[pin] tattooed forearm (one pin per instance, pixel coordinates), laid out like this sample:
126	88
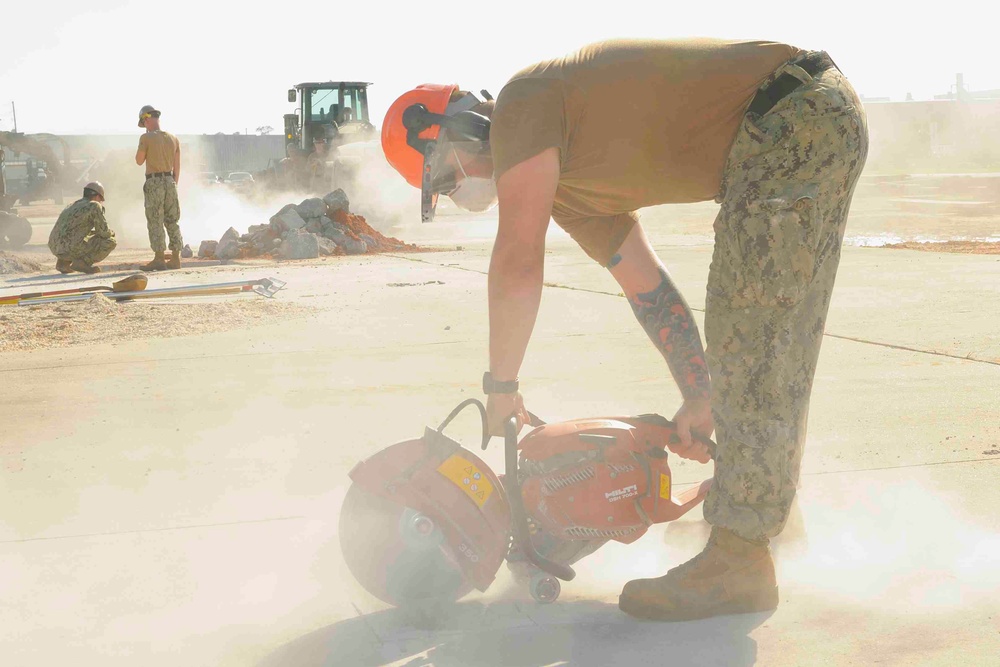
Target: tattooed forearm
667	320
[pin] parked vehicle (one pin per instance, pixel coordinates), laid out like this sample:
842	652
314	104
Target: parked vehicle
240	181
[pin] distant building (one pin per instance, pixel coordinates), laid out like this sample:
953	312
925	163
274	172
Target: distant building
959	130
961	93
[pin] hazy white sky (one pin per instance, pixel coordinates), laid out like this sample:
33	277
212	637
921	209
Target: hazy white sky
225	66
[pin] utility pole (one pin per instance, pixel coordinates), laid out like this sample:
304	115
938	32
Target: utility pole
14	111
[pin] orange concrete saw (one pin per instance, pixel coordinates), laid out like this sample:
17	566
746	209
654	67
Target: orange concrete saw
426	521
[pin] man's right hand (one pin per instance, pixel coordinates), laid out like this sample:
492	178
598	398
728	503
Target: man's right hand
499	407
694	419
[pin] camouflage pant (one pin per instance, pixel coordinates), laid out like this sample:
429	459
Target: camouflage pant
162	211
89	250
786	193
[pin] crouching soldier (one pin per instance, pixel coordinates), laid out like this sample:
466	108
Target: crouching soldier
81	237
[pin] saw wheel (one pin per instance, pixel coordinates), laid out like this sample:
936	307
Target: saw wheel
397	554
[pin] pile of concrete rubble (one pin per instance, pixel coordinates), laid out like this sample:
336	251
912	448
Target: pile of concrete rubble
305	231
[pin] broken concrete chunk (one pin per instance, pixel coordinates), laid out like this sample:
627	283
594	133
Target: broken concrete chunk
369	241
300	244
284	209
355	246
337	201
261	232
314	225
207	248
326	246
286	222
326	227
337	236
230	235
311	208
228	249
186	252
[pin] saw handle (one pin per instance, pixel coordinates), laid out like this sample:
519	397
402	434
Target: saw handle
673	444
519	519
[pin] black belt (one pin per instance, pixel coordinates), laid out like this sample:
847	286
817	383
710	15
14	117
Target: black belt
159	173
769	95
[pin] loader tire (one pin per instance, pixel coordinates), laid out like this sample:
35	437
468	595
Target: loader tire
15	231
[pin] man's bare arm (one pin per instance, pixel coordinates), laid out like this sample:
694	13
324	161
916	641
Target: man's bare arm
177	163
668	322
663	314
525	194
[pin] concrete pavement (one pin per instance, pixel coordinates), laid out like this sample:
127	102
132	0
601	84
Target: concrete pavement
175	501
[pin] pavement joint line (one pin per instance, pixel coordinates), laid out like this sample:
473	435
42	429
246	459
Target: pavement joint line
913	349
863	341
926	464
154	530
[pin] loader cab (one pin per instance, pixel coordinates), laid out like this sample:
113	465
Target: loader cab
336	111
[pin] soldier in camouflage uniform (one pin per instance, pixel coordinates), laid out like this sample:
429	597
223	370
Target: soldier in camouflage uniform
81	238
785	198
161	153
774	134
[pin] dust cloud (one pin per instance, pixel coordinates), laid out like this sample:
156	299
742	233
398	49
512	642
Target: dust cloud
898	547
375	189
902	546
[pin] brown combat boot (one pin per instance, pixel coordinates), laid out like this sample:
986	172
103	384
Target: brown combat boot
158	264
64	265
730	576
175	260
83	267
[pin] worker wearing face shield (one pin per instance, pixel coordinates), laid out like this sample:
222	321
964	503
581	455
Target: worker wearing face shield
453	160
773	133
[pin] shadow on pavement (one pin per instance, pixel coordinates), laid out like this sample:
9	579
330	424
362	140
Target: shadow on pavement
521	634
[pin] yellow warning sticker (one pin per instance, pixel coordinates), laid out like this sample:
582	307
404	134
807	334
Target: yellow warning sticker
466	476
665	486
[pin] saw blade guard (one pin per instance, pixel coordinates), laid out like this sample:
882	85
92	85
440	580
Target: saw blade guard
424	521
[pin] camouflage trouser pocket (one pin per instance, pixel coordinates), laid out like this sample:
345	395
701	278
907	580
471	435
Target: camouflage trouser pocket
778	239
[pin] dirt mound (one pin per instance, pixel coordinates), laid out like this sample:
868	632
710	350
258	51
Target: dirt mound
13	264
963	247
357	227
101	305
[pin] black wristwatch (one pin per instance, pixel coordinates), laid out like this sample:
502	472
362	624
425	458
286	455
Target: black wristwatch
491	386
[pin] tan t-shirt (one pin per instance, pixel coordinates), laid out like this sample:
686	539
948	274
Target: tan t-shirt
637	123
160	148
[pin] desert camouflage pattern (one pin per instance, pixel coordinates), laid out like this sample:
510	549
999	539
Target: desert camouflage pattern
162	213
81	233
786	193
